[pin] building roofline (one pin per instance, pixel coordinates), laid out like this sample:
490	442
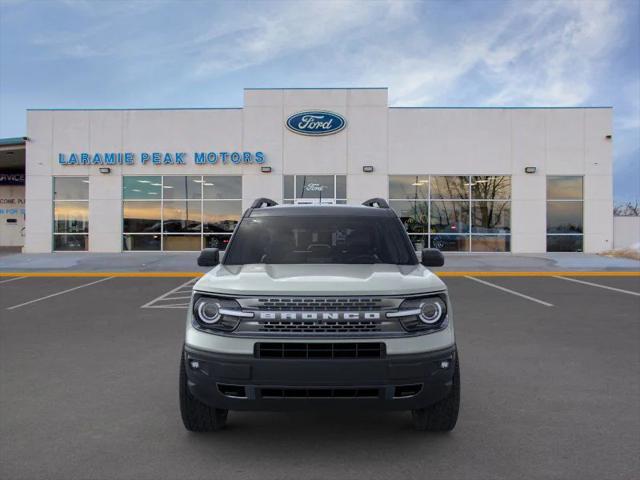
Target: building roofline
126	109
13	141
317	88
504	108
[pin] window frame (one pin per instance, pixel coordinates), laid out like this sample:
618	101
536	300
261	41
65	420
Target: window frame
469	200
563	200
162	233
335	198
54	234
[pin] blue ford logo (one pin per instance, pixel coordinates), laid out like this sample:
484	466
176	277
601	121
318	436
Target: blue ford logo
316	123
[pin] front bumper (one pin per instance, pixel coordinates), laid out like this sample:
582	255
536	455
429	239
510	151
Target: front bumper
244	382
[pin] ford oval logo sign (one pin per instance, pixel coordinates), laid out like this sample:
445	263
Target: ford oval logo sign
316	123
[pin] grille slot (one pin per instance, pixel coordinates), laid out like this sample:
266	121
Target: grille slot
403	391
320	392
319	326
320	350
319	304
237	391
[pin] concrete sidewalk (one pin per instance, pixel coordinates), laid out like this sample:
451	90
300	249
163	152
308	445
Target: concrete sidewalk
186	262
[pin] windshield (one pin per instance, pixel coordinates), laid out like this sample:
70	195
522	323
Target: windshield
320	239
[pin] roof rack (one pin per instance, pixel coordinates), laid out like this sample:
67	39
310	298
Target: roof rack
376	202
260	202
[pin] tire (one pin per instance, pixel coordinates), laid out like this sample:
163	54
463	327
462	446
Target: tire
197	416
441	416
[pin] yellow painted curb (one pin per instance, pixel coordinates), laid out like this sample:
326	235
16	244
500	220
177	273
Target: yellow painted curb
539	274
199	274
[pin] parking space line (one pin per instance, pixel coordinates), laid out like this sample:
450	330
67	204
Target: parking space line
12	279
512	292
620	290
167	296
58	293
181	306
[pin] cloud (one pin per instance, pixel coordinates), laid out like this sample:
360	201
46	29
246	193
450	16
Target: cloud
537	53
265	35
630	119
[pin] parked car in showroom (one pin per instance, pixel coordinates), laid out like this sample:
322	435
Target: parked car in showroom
319	306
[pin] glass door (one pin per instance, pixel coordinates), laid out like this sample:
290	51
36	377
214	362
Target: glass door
315	189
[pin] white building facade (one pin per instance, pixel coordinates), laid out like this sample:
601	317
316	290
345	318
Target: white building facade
461	179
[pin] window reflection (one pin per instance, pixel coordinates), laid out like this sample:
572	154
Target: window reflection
174	218
142	187
564	243
222	186
491	217
419	241
216	241
564	217
490	187
450	187
288	186
564	213
182	243
490	243
71	188
315	186
450	217
564	188
141	242
182	187
450	243
341	186
221	216
413	215
71	217
408	186
181	216
63	243
140	217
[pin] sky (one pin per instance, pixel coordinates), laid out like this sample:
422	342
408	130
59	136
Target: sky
126	54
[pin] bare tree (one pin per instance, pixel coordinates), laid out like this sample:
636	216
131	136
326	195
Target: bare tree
628	209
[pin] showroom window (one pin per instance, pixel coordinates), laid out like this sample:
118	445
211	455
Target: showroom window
70	213
178	212
314	189
454	212
564	213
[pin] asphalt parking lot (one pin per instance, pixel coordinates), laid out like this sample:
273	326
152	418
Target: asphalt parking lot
550	389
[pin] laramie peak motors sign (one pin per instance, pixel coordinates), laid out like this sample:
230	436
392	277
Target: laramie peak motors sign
315	123
161	158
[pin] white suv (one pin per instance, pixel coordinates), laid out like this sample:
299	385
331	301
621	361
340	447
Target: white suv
316	306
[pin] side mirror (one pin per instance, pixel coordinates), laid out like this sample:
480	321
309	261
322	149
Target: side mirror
209	257
432	257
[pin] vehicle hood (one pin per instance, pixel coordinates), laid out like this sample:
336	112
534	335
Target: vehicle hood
320	279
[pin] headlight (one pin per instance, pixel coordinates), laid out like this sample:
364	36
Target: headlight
208	311
426	313
215	313
431	310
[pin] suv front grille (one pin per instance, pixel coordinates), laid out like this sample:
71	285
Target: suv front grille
320	392
313	351
319	304
319	326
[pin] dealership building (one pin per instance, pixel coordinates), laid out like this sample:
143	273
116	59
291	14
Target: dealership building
461	179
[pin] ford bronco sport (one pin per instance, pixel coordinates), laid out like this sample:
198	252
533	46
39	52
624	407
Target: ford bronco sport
314	306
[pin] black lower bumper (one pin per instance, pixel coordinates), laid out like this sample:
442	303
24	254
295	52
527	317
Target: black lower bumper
243	382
